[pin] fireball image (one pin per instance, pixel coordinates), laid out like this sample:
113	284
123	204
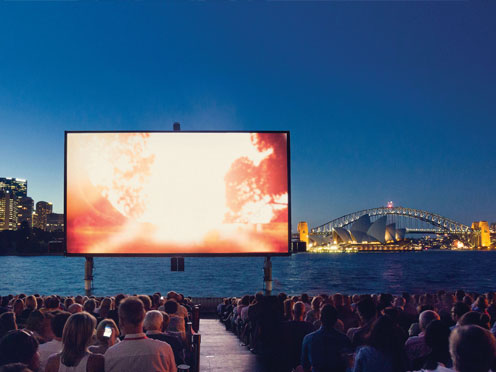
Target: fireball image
176	193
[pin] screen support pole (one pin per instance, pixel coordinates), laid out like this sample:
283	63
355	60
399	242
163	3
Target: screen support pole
88	275
268	276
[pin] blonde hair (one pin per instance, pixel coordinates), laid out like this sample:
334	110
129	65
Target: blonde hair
76	338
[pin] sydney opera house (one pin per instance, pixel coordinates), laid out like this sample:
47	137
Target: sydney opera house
363	231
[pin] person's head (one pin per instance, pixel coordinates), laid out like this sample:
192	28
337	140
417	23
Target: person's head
245	300
52	303
316	301
100	330
437	338
399	302
31	303
384	335
7	322
481	303
366	309
147	303
298	311
68	302
35	321
76	337
458	309
328	316
15	367
472	349
58	322
153	321
105	305
20	346
426	317
79	299
131	314
18	306
470	318
171	307
89	306
75	308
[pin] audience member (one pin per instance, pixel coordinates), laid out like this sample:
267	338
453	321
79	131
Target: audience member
7	323
472	349
103	341
137	352
415	346
54	346
76	338
326	348
383	351
153	324
20	346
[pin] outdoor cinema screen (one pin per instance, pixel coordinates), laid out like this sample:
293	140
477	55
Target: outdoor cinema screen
177	193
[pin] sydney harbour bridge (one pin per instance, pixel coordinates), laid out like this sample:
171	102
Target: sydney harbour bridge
391	224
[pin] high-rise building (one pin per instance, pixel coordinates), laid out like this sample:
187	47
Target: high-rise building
8	211
25	210
43	209
16	186
55	222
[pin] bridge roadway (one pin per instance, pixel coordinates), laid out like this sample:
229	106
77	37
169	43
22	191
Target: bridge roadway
221	350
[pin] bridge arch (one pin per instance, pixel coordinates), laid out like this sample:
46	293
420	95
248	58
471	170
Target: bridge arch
442	224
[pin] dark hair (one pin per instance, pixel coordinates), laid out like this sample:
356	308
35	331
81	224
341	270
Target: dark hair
170	307
147	303
89	306
460	308
437	338
52	302
472	317
366	308
18	346
7	322
35	321
58	322
15	367
328	316
472	349
131	310
385	336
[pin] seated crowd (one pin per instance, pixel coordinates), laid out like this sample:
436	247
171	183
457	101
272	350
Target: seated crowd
440	332
114	334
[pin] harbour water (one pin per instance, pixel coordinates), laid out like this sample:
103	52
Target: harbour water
313	273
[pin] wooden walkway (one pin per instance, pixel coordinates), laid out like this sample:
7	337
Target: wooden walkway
221	350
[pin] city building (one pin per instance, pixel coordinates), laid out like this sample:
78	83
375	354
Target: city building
484	236
16	186
43	209
25	210
55	222
303	231
8	211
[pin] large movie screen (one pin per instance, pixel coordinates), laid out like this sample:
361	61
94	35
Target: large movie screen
177	193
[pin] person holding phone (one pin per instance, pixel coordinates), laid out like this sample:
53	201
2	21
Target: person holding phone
107	334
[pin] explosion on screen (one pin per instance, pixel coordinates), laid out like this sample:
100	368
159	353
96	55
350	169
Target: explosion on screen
177	193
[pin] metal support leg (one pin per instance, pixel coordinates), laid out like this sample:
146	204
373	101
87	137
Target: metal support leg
88	275
268	276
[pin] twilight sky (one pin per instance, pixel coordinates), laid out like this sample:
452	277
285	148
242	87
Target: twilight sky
387	100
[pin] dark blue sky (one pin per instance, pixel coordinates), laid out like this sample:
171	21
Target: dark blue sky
384	100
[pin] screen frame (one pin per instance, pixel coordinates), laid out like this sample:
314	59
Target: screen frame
258	254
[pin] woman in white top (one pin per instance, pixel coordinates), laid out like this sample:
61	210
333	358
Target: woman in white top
76	338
